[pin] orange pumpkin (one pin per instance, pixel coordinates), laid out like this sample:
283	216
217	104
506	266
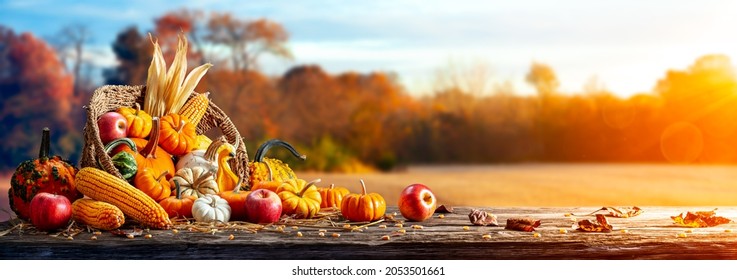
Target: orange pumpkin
268	185
332	197
139	122
299	198
153	183
178	206
237	201
146	152
363	207
178	135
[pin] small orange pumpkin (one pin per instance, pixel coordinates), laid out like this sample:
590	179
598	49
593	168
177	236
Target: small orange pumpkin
178	206
237	201
178	135
363	207
332	196
139	122
153	183
146	152
299	198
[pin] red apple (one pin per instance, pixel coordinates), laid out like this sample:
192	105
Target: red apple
263	207
50	211
112	126
417	202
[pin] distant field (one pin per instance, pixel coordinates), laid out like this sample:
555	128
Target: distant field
544	184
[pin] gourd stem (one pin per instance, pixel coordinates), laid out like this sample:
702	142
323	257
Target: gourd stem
153	143
363	187
166	172
45	143
238	185
310	184
261	152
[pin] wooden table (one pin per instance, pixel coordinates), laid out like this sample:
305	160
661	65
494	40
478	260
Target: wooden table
651	235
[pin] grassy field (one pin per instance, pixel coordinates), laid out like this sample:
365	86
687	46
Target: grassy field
543	184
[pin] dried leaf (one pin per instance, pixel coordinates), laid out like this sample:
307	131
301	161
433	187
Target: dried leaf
444	209
522	224
123	233
625	212
700	219
482	218
600	225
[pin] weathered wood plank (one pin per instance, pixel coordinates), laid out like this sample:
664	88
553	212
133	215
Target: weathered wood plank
652	235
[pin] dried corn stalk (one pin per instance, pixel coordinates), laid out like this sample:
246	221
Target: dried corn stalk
167	91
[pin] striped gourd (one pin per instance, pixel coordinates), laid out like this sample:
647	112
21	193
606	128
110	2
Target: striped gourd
195	108
102	186
270	169
97	214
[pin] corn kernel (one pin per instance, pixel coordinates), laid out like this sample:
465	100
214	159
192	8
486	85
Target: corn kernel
466	228
148	236
727	230
382	226
567	214
417	227
441	216
323	230
536	235
347	226
70	238
231	237
299	234
336	235
563	231
573	219
688	231
321	234
402	231
130	236
385	237
399	225
486	236
624	231
93	237
97	233
295	227
174	231
681	235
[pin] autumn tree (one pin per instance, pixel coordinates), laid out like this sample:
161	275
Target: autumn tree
36	94
133	52
247	40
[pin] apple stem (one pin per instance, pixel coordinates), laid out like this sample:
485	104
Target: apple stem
45	143
310	184
150	149
363	187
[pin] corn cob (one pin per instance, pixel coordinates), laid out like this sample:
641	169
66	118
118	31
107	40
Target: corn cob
100	185
195	108
97	214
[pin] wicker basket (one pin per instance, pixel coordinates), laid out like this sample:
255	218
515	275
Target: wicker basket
110	98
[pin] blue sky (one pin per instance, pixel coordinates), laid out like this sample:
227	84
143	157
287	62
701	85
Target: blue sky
625	45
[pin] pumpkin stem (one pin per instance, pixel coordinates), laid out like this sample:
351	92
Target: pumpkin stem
166	172
138	108
153	143
271	172
214	204
45	143
176	183
181	126
332	186
363	187
261	152
310	184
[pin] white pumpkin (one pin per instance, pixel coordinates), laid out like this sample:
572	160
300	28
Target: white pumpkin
197	158
211	208
195	181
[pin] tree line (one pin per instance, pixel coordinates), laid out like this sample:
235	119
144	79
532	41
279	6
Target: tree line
362	121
